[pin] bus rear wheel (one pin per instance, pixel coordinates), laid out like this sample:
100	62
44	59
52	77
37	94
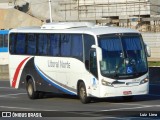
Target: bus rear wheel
83	94
32	94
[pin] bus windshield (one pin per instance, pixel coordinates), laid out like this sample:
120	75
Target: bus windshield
123	56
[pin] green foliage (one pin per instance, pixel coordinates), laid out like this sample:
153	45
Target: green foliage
153	63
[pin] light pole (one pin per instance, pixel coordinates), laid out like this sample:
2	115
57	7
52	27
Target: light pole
50	11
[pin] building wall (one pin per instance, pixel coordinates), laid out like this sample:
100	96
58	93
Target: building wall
12	18
153	41
155	7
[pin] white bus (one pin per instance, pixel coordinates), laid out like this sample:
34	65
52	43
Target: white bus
78	58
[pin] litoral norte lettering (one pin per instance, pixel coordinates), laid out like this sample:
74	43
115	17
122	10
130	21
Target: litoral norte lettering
58	64
64	64
53	64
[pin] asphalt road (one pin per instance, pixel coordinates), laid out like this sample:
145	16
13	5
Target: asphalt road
69	107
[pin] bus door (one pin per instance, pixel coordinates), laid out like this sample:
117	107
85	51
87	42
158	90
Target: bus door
93	62
94	72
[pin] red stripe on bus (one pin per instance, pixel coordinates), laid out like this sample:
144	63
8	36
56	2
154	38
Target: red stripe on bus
17	72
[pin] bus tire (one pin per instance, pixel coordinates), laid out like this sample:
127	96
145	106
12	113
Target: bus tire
32	94
127	98
83	94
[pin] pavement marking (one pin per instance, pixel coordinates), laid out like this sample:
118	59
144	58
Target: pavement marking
129	118
23	108
9	95
7	88
128	104
131	108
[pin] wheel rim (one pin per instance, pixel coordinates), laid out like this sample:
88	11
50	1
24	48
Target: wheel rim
30	89
82	93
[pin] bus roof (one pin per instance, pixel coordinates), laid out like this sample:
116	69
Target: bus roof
4	31
88	29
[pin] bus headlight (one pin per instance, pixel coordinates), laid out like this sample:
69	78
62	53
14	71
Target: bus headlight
144	80
106	83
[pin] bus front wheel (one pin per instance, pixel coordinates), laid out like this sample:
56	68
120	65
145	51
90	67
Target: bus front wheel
83	94
30	90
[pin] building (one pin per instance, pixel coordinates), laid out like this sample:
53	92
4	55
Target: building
140	14
143	15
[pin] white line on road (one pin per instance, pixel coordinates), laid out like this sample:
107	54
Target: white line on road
131	108
9	95
129	104
23	108
16	108
6	88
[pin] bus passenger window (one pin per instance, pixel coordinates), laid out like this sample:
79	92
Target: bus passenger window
54	44
77	47
5	40
65	45
31	45
12	39
1	40
42	44
20	44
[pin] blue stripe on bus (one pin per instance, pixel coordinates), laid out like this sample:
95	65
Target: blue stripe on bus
5	49
53	84
4	31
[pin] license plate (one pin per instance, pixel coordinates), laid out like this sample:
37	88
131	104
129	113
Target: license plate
127	92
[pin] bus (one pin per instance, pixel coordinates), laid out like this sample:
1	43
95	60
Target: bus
4	47
78	58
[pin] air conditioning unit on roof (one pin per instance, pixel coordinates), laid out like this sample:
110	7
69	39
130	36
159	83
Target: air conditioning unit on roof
66	25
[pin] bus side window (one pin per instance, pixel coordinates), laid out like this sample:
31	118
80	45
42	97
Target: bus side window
12	39
5	40
77	46
88	42
65	45
42	44
1	40
54	44
31	44
20	43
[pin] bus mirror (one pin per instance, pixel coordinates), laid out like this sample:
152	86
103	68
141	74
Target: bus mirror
94	46
148	50
99	52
